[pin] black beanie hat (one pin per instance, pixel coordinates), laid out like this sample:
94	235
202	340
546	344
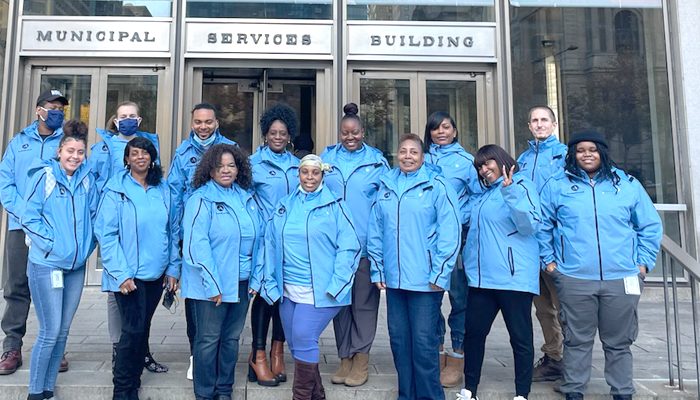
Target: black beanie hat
588	136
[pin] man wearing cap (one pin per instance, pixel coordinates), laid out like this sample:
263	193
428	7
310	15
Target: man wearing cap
545	157
39	140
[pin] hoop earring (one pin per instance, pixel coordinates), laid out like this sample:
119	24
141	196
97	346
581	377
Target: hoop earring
127	167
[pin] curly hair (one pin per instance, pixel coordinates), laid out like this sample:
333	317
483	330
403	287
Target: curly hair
76	130
212	158
155	171
283	113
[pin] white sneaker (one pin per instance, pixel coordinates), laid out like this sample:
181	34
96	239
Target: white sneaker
519	398
465	394
189	370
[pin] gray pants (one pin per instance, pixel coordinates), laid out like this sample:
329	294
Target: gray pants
547	312
15	291
587	306
356	324
114	319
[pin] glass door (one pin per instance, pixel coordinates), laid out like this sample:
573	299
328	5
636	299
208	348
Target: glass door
394	103
241	95
93	94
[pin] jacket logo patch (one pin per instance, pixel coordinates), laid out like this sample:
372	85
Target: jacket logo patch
273	173
281	210
574	187
219	206
25	146
386	195
193	160
104	147
62	190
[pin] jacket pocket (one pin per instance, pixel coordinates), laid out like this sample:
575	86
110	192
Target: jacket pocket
430	260
511	264
563	259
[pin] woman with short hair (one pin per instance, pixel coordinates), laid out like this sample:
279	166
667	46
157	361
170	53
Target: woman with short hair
275	175
223	230
61	202
135	231
600	237
412	242
311	255
502	266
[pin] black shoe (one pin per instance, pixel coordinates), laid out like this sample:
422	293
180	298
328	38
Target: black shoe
574	396
547	370
152	365
622	397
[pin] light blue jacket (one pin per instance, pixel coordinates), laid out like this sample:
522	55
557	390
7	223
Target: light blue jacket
274	176
414	234
58	215
542	160
107	156
126	251
502	250
212	243
333	247
457	166
21	153
185	161
359	188
603	232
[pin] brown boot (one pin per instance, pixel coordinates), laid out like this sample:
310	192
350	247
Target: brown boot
343	371
304	380
443	360
258	370
277	361
319	392
358	374
451	375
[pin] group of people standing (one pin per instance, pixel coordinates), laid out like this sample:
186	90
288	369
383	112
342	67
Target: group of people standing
306	242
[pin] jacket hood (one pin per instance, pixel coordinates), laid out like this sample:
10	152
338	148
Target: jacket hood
58	173
453	147
190	143
424	174
325	197
368	153
33	131
263	154
213	192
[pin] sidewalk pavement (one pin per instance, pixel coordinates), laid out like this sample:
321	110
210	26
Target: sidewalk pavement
89	353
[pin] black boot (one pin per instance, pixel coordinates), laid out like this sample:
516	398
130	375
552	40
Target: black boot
622	397
574	396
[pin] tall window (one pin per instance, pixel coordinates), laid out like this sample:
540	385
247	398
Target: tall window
627	38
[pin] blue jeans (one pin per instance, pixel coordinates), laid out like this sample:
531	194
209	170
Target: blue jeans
55	309
303	325
458	293
216	344
411	318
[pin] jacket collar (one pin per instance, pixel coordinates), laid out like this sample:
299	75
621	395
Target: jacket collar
216	193
191	143
391	178
538	145
325	197
453	147
32	130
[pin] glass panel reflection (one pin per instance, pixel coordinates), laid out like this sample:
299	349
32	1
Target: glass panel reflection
273	9
76	88
458	98
99	8
422	10
235	109
385	109
142	90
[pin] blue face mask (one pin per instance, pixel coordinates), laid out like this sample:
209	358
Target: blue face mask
205	142
54	119
128	126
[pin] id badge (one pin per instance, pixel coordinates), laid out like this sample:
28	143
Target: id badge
632	285
57	279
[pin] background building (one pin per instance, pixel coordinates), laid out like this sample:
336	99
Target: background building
624	67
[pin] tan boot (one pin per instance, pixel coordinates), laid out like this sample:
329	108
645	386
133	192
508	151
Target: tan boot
259	371
358	374
343	371
451	375
443	360
277	361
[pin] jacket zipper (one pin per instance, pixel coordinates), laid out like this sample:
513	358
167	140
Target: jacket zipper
597	233
511	263
478	241
537	154
75	232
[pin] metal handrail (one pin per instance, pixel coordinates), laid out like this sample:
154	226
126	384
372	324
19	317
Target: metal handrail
672	253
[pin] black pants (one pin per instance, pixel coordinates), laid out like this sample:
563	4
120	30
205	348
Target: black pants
15	291
482	307
136	310
191	323
260	315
